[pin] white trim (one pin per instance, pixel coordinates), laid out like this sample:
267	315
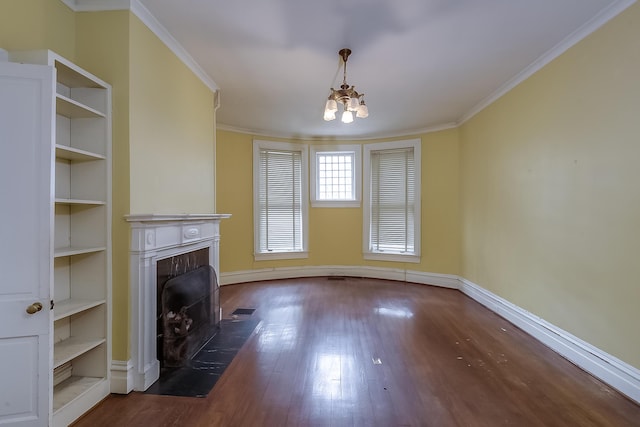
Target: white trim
71	4
618	374
260	256
412	133
142	13
121	376
401	275
583	31
381	256
356	151
450	281
97	5
151	218
258	145
335	203
416	144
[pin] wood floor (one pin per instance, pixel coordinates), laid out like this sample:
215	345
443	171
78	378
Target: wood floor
444	360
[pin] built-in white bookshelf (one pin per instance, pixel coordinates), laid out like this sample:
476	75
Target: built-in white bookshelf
81	185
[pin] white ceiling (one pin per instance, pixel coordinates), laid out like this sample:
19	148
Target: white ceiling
422	64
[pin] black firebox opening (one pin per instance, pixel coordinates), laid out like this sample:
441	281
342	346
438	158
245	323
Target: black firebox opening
188	307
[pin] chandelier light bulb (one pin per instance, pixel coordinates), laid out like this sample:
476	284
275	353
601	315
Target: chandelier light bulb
331	105
363	111
329	115
347	117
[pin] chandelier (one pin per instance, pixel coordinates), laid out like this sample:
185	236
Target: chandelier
352	101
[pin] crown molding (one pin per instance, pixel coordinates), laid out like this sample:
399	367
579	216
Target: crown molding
153	24
163	34
97	5
596	22
332	138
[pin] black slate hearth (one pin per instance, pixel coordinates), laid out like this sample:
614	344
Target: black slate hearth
200	374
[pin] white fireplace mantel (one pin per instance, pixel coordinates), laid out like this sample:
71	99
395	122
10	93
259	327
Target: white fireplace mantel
155	237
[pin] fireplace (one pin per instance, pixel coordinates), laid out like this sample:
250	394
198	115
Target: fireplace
154	240
188	306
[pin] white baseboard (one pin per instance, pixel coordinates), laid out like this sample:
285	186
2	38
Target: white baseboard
618	374
441	280
121	376
435	279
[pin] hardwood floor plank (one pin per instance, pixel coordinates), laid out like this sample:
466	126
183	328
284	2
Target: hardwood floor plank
444	361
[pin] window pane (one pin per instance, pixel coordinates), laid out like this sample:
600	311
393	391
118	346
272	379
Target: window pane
337	168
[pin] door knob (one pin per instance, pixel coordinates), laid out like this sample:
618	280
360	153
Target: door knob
34	308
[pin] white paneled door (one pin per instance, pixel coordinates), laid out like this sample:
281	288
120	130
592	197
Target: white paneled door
26	94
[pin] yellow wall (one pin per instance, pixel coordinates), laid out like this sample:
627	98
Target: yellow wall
37	24
551	194
172	151
103	47
234	195
335	234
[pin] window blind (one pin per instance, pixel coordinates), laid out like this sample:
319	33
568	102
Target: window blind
280	201
393	199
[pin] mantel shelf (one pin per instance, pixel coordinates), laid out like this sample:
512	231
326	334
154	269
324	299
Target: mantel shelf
175	217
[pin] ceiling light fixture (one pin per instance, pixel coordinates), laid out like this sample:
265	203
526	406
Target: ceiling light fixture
352	101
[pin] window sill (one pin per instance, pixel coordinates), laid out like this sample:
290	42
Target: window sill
335	203
265	256
379	256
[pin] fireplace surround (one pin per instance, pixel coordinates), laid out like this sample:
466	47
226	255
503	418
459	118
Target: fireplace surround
155	237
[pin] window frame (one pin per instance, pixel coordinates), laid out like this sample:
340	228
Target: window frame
368	253
356	149
259	145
